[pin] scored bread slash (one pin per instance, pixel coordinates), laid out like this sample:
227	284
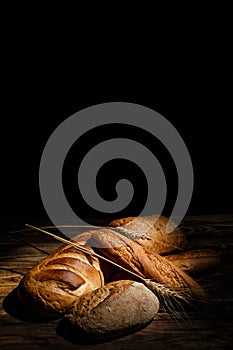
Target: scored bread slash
50	288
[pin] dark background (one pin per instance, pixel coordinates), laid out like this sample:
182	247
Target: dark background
197	106
187	80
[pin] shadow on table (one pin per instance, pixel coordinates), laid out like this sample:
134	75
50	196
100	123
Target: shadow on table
77	336
15	308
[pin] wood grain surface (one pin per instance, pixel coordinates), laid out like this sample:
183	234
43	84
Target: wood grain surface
209	326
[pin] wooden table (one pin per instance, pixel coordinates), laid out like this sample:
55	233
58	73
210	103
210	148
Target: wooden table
209	327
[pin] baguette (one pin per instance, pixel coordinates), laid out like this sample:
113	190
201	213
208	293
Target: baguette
51	287
134	257
116	309
195	261
151	233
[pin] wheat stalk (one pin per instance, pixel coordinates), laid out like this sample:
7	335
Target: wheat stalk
165	295
132	234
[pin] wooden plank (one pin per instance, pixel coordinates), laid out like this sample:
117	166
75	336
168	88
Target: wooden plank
210	327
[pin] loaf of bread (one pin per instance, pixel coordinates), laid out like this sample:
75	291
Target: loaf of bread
196	261
51	287
116	309
137	259
156	233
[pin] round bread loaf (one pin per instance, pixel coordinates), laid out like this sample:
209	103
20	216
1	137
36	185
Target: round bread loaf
157	234
116	309
51	287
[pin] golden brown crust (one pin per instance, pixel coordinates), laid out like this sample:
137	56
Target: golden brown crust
52	286
158	239
123	221
196	261
137	259
83	237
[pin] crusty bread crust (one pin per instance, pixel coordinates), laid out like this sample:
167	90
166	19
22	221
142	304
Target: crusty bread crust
159	234
105	312
137	259
51	287
196	261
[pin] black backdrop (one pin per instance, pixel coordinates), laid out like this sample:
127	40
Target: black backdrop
192	91
196	104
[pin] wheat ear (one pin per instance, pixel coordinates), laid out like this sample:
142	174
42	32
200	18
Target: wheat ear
165	295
